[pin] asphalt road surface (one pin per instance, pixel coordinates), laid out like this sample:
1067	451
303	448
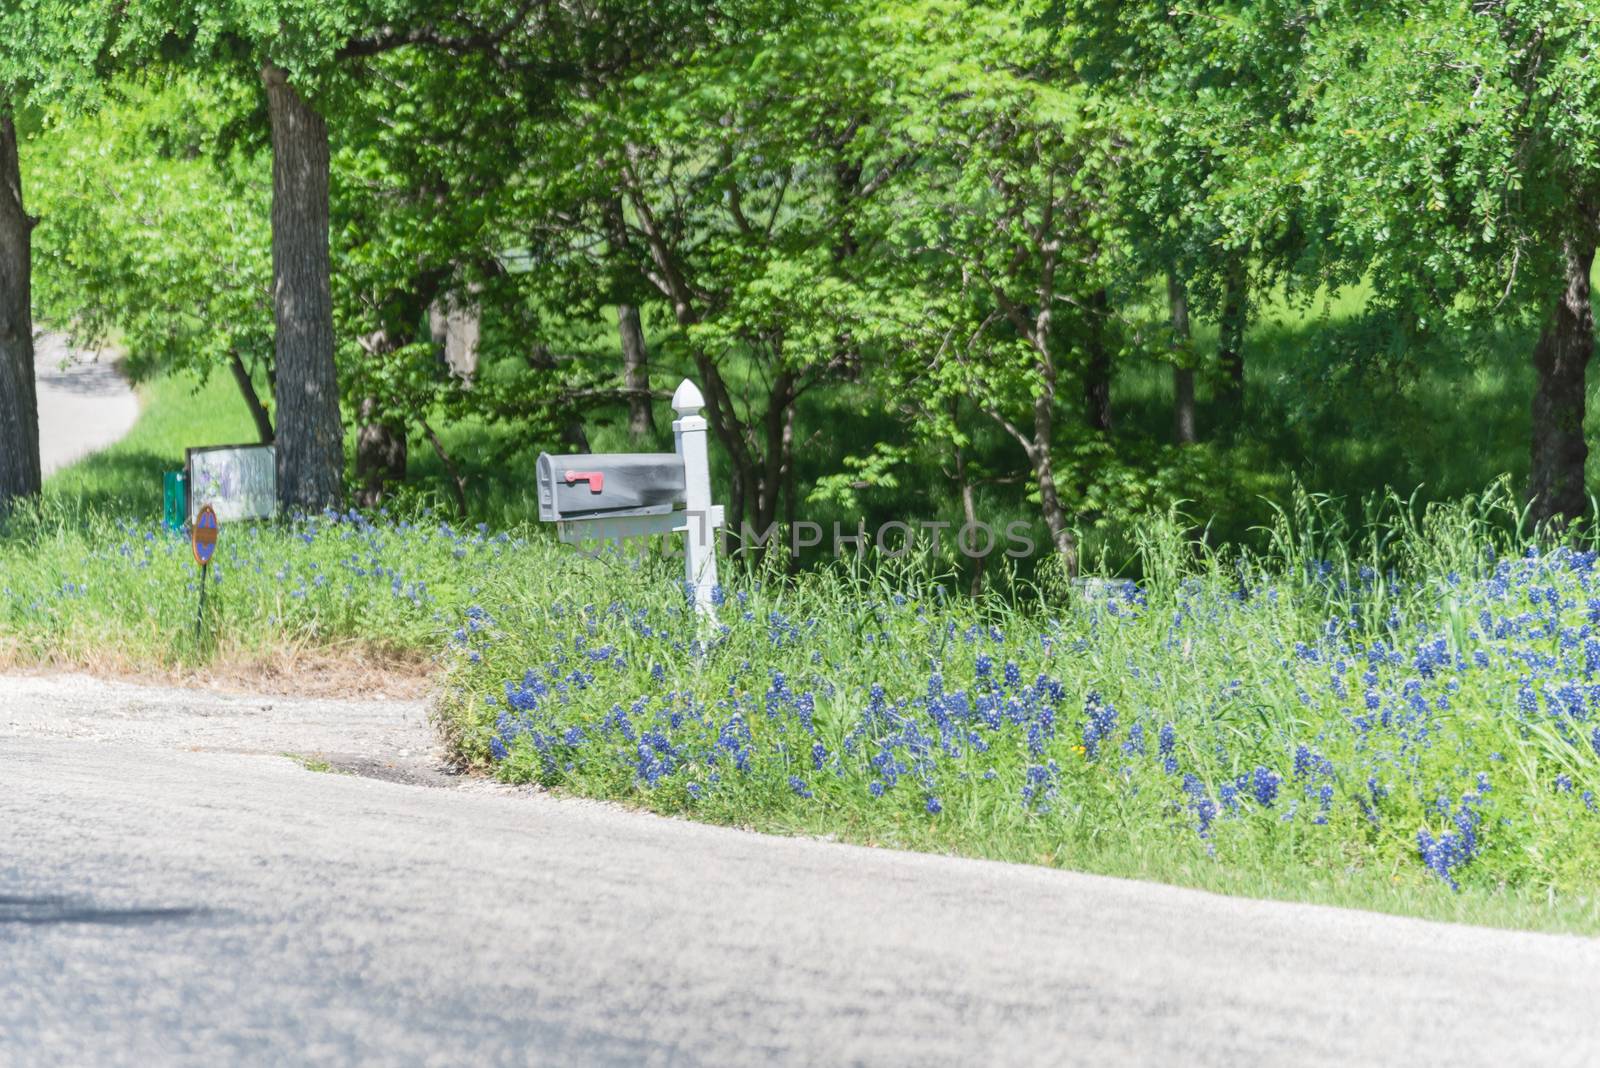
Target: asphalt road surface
174	890
84	404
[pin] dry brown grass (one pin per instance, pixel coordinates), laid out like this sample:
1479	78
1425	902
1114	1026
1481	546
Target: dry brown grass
352	670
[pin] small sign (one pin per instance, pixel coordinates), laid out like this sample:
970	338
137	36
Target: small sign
205	536
238	481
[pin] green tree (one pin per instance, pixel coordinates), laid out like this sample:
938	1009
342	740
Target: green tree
727	164
1461	144
1007	241
46	52
155	233
1211	94
295	49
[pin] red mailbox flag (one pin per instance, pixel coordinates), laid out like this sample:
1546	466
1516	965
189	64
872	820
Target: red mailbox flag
596	479
204	536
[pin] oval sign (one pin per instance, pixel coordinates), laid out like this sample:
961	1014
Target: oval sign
204	535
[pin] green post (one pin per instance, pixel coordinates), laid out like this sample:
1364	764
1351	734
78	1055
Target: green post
174	500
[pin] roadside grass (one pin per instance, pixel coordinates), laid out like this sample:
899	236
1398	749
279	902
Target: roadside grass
1407	725
90	590
90	578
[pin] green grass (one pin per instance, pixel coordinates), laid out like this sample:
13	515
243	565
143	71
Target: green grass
981	727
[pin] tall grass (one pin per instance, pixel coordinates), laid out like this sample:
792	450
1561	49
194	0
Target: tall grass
1404	716
90	590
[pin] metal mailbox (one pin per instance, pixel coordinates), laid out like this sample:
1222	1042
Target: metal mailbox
593	485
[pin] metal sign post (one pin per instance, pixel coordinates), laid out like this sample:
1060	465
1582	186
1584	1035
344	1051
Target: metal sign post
616	496
203	539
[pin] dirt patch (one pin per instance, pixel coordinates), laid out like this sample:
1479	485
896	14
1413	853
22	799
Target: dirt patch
405	773
342	673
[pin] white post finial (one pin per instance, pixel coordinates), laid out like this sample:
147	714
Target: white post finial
700	515
686	399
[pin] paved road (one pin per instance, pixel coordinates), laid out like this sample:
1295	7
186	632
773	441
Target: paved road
83	406
174	891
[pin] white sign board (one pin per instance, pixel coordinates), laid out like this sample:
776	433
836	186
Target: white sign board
238	481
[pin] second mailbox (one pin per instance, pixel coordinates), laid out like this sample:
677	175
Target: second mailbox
592	485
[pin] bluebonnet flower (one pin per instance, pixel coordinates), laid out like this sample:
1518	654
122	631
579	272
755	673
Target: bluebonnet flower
798	785
1200	802
1264	786
1133	745
1452	850
1039	785
1101	721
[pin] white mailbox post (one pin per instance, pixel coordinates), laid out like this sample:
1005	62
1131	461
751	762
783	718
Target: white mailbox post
612	497
704	518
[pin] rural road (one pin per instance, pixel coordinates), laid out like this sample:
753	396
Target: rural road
173	890
83	406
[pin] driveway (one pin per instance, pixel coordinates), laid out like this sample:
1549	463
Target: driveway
84	404
175	890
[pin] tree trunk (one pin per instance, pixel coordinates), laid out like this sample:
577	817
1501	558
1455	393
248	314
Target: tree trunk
380	454
19	406
1055	514
1561	360
1232	323
776	466
635	373
969	503
635	356
455	331
1097	369
310	433
1182	377
252	400
458	481
846	189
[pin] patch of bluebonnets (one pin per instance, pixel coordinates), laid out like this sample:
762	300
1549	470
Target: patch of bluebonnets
1373	700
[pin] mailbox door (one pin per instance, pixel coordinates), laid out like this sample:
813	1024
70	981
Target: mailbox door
572	487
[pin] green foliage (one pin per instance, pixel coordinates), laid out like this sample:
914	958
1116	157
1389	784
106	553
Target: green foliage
1458	142
894	241
152	234
868	688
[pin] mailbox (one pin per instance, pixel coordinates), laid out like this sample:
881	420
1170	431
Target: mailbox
594	485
